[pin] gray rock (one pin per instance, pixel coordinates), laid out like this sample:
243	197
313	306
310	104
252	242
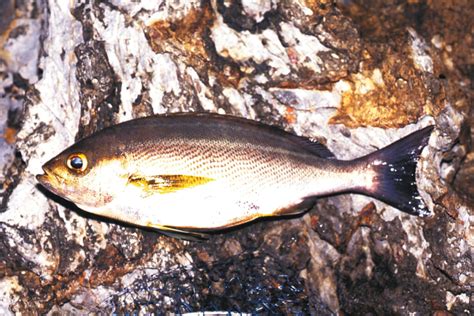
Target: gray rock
303	67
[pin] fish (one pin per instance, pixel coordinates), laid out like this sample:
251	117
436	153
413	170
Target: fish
195	172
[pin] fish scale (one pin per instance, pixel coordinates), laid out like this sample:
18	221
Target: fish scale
235	164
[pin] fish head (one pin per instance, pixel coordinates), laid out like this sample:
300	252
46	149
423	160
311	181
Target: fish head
89	176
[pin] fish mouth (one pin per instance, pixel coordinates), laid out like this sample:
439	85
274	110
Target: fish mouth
49	180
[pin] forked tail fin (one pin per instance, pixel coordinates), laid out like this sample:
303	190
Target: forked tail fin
395	167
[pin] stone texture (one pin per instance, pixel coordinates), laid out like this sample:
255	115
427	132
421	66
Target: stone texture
355	76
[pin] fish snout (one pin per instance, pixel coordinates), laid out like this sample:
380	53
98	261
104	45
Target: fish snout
49	179
42	178
47	182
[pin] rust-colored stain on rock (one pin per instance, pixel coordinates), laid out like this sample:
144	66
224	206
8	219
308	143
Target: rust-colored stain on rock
189	38
393	95
185	34
9	135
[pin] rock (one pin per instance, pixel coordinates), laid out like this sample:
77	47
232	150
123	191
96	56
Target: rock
354	78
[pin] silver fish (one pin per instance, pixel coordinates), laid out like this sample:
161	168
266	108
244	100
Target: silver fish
191	172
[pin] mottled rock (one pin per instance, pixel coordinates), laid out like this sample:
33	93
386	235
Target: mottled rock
354	76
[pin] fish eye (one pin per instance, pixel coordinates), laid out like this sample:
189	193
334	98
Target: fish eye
77	162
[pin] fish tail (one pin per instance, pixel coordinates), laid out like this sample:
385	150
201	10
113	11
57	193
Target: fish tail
395	173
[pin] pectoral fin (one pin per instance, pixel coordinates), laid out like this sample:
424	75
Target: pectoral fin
167	183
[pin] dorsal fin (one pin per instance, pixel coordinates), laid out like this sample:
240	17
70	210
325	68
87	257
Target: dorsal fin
314	147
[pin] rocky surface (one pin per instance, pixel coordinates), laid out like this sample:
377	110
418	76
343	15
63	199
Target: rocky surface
353	75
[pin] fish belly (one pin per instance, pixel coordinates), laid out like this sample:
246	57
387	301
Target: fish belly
211	206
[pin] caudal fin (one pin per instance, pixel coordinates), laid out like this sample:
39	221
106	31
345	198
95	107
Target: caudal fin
395	167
